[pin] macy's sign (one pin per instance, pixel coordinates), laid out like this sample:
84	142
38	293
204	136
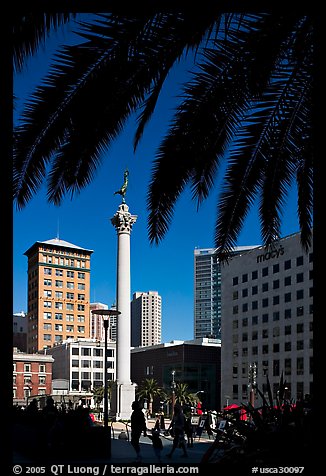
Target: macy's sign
275	253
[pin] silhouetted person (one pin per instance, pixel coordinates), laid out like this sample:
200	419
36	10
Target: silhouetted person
178	427
138	426
157	443
189	429
162	422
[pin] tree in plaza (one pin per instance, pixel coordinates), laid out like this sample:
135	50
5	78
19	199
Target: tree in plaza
247	101
149	389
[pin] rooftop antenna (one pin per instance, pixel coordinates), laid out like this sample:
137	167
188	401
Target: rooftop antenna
58	229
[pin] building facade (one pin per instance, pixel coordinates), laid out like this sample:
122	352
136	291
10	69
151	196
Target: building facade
32	376
195	362
80	362
58	293
207	292
267	320
146	319
96	323
20	331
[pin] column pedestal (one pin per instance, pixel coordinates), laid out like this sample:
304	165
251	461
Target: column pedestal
121	399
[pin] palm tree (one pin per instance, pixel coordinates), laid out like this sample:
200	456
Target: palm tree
182	394
248	101
149	389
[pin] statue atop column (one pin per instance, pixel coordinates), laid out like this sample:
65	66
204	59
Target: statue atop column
123	190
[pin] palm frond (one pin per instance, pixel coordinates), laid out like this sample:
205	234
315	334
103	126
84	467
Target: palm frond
30	30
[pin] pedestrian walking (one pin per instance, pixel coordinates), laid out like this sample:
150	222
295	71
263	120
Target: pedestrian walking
178	427
157	443
138	426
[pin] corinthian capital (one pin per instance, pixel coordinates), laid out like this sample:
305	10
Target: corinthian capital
123	220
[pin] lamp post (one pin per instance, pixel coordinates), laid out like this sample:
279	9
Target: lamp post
106	313
173	390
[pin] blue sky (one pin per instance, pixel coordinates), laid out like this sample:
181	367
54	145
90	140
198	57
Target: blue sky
85	220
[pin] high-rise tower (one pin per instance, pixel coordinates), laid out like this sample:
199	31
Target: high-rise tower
207	291
146	319
58	293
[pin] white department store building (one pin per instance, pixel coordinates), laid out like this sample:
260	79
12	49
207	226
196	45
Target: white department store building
267	320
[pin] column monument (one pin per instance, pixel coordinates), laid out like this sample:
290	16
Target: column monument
123	391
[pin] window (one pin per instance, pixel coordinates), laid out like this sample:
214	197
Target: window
70	295
75	363
264	272
80	318
245	278
47	271
287	281
58	327
287	346
276	300
287	366
254	335
86	351
245	322
98	352
300	278
276	283
58	305
264	333
69	328
46	337
58	316
299	260
81	286
235	324
276	316
245	337
235	295
254	290
70	274
235	281
58	272
265	302
81	329
59	294
300	294
81	297
254	320
81	275
47	282
265	349
27	368
276	268
265	318
287	313
245	292
276	348
300	328
80	307
254	350
47	304
287	264
69	317
254	275
235	309
264	287
47	315
69	306
245	307
58	284
254	305
287	297
41	380
287	330
47	327
300	345
47	294
75	351
276	368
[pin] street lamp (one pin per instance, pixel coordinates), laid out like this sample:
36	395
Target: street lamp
106	313
173	390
